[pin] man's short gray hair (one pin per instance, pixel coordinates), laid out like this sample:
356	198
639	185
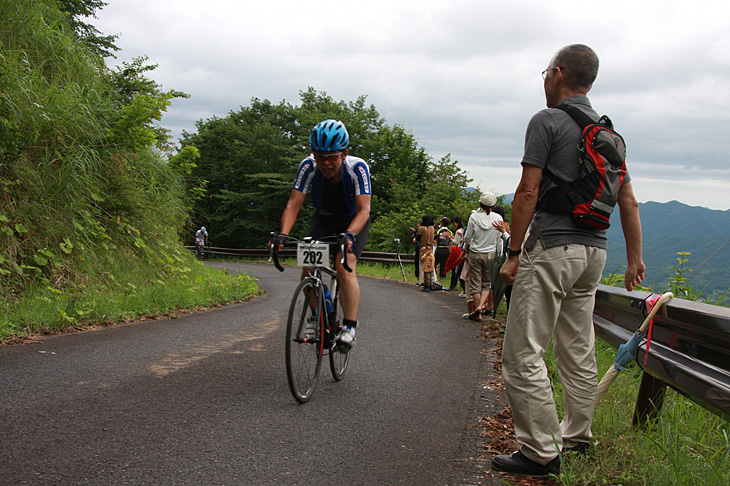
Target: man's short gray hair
580	65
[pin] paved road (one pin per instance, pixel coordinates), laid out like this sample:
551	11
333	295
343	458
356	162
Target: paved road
203	399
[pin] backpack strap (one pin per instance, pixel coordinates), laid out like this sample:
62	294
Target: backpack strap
582	118
583	121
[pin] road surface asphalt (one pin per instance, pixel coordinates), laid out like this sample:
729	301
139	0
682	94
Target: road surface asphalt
203	399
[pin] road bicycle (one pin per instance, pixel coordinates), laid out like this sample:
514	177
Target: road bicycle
312	325
201	251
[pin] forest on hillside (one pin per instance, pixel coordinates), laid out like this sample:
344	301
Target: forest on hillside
247	161
673	228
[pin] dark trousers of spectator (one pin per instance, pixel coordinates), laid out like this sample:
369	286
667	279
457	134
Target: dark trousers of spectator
418	261
441	257
455	277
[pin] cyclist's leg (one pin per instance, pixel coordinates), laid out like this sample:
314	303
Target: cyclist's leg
349	288
306	272
349	285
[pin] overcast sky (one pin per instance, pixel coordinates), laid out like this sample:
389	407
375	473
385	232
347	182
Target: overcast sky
462	76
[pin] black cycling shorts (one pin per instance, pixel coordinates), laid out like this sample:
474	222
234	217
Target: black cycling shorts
323	226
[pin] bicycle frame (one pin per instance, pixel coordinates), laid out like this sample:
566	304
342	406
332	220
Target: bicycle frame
310	301
329	328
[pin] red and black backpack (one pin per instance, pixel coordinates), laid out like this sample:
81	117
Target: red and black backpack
592	197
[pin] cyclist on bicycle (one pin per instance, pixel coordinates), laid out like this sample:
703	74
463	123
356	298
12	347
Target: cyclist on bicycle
201	238
340	188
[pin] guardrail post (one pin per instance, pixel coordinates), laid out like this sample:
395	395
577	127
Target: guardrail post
650	400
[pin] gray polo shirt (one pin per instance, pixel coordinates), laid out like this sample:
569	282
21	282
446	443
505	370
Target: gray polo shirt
552	140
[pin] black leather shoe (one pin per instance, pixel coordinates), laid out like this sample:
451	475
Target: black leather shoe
518	463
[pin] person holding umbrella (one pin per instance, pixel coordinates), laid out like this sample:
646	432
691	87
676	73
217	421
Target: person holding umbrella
555	277
499	287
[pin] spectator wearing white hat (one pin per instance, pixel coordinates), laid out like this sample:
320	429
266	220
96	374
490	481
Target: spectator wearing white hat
481	241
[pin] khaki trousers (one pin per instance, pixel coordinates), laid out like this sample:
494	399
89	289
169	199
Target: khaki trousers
553	297
480	279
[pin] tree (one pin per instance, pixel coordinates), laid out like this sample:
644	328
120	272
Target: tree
399	167
101	45
445	194
249	160
140	102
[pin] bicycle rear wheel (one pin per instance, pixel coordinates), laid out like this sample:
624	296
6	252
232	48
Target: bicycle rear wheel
304	341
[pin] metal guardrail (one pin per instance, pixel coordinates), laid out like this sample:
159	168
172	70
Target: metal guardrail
367	256
689	351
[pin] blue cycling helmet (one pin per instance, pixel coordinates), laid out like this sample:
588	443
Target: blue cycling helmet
329	136
202	228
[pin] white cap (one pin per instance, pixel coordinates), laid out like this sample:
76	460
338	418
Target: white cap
488	199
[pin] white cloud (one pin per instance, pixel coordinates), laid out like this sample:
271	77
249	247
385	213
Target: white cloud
463	76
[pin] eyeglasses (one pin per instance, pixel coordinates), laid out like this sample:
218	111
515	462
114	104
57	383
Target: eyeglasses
328	156
544	73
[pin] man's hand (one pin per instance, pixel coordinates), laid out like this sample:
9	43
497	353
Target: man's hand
634	275
509	269
523	208
279	241
350	238
501	226
631	225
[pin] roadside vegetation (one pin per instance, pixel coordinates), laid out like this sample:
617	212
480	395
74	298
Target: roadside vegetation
91	213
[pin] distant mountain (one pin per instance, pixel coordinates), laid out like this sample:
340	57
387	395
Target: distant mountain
507	197
669	228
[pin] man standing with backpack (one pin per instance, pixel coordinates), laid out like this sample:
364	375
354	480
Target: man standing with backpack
555	277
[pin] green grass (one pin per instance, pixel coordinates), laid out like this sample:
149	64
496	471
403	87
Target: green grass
685	445
375	270
116	295
122	296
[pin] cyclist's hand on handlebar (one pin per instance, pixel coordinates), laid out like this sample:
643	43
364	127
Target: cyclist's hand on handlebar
349	240
276	244
277	241
280	240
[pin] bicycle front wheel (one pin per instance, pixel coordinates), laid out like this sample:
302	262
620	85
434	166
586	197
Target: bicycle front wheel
338	362
304	341
339	357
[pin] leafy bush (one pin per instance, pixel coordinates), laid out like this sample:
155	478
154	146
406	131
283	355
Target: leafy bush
86	198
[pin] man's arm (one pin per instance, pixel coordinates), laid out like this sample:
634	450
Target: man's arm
362	214
631	224
523	209
293	206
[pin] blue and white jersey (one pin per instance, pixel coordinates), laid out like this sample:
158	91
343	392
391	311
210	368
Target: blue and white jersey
355	182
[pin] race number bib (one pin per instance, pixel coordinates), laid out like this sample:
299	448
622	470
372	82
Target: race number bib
309	255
